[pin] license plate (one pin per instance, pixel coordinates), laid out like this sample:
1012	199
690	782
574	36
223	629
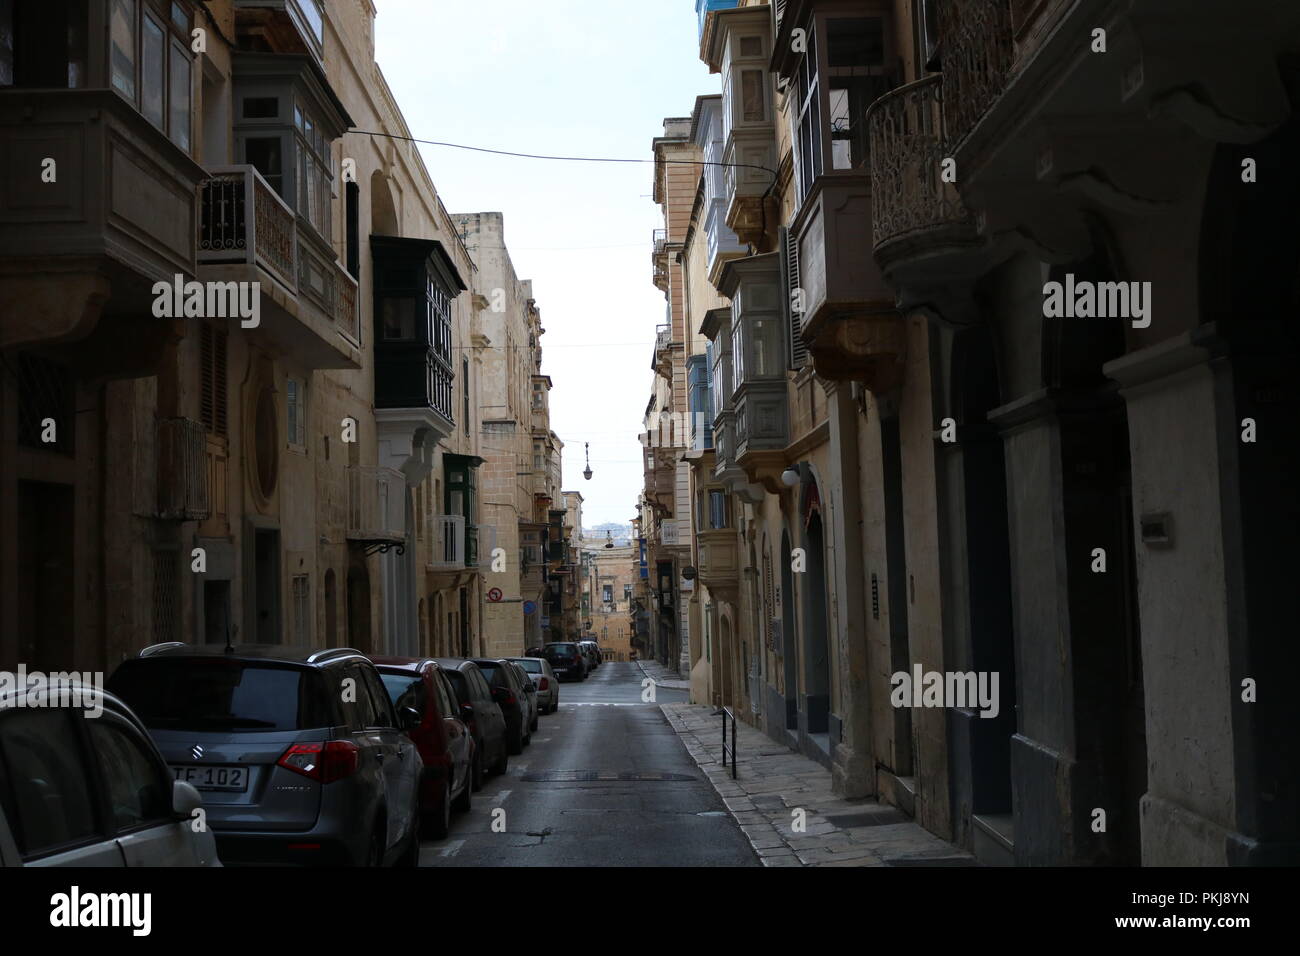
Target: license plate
213	778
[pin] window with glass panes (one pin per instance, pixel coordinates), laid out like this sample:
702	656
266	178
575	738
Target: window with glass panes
845	70
315	169
149	60
807	119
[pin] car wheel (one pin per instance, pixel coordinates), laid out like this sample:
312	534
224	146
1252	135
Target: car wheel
476	781
437	824
462	803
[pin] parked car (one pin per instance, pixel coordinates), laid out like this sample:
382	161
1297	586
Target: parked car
595	649
60	767
588	649
530	691
531	652
566	660
487	723
548	685
508	691
442	737
299	753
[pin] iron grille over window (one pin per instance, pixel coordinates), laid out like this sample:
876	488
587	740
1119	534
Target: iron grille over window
166	597
46	405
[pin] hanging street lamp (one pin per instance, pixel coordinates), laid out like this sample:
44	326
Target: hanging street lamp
586	472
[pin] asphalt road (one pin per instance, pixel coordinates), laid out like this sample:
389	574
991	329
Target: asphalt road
605	782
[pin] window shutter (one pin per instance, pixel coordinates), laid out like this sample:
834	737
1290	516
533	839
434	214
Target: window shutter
212	360
789	284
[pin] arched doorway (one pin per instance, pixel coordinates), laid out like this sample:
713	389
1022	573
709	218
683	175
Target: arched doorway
789	635
359	607
816	689
727	690
383	211
1249	270
1107	726
982	772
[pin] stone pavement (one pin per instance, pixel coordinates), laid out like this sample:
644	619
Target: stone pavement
662	676
772	781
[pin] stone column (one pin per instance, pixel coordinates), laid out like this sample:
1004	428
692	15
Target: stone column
854	766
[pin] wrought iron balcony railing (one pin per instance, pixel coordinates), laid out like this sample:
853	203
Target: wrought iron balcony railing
977	53
243	220
908	147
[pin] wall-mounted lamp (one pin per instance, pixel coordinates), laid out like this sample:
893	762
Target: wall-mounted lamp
798	473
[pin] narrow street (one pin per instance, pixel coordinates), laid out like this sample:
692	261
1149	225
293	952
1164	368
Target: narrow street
605	782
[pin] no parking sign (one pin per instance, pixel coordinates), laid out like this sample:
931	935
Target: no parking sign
494	595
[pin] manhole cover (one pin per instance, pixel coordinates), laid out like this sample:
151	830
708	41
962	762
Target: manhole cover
585	776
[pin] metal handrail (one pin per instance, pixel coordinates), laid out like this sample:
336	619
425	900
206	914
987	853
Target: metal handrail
726	712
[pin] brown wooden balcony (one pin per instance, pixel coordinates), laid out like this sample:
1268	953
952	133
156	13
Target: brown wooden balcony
79	254
852	327
286	26
913	211
247	233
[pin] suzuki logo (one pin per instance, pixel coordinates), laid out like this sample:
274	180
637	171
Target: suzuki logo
197	751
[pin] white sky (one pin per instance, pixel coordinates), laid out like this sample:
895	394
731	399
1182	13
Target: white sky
567	78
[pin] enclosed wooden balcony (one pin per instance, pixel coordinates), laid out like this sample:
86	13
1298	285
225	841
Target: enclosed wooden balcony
286	26
96	205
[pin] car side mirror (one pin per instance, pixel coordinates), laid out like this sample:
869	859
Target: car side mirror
410	718
185	800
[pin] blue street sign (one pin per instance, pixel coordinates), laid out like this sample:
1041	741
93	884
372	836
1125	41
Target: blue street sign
530	607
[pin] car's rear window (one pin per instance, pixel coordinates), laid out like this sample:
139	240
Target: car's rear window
560	650
221	695
405	690
459	685
533	667
495	674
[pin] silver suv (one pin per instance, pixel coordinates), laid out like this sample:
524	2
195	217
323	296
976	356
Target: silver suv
80	788
299	754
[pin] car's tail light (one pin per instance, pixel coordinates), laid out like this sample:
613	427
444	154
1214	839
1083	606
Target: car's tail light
510	698
544	684
323	763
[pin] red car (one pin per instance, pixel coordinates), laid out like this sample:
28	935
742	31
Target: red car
444	742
